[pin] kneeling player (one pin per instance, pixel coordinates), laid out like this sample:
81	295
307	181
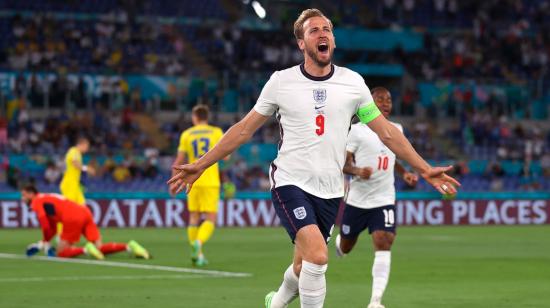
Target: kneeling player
371	197
77	220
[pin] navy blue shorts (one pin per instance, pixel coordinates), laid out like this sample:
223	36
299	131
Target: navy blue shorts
356	220
296	209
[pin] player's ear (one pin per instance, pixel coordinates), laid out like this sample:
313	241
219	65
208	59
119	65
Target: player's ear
301	45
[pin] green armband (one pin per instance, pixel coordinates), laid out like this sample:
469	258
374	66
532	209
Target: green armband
368	113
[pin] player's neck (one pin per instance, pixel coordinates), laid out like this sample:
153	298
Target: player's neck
312	68
201	123
317	73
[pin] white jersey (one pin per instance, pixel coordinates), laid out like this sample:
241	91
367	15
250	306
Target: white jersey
369	151
314	114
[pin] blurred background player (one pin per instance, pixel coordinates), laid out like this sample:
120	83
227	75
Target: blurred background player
70	186
204	198
77	220
370	201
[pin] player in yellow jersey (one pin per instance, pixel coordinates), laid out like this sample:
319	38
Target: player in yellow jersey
204	198
70	184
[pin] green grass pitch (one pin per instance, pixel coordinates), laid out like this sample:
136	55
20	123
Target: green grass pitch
431	267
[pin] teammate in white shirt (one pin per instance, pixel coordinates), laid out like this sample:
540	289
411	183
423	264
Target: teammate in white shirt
370	201
314	103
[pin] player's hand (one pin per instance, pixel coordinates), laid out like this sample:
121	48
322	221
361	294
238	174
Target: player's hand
410	178
32	249
184	177
50	252
47	248
91	171
365	173
445	184
172	188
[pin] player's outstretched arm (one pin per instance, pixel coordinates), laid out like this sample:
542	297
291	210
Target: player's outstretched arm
241	132
394	139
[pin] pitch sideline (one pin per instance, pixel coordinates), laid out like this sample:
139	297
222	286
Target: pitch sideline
129	265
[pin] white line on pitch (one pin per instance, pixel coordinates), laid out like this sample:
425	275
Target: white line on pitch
81	278
129	265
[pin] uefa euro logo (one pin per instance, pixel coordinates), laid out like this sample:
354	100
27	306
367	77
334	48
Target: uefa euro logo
320	95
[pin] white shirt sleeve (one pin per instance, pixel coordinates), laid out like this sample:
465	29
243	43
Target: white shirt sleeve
353	140
366	97
266	104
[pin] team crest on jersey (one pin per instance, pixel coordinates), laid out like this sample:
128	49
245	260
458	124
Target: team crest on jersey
300	212
320	95
345	229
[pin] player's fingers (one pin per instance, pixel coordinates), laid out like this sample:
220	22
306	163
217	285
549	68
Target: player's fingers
448	188
440	170
172	189
175	185
174	179
171	180
452	180
179	167
188	188
440	189
181	187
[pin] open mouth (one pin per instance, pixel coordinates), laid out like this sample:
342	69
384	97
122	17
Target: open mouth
322	47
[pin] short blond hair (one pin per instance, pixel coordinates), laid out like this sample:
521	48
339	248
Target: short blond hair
305	15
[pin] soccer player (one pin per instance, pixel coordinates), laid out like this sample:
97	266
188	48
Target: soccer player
314	103
77	220
70	184
371	198
204	199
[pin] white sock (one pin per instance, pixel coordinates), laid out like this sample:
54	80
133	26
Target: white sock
312	285
380	274
288	290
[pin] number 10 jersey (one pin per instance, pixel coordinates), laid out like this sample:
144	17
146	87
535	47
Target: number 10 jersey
369	151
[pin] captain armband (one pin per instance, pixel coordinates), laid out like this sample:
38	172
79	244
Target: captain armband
368	113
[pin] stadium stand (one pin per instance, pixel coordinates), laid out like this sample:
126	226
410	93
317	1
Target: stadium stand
79	67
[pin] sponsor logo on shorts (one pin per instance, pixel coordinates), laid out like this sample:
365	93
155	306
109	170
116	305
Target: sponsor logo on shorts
300	212
345	229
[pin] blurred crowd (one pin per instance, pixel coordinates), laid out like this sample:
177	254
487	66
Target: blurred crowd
225	64
501	153
114	43
473	42
108	130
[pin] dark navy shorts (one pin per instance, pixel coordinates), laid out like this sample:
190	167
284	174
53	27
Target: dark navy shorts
356	220
296	209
